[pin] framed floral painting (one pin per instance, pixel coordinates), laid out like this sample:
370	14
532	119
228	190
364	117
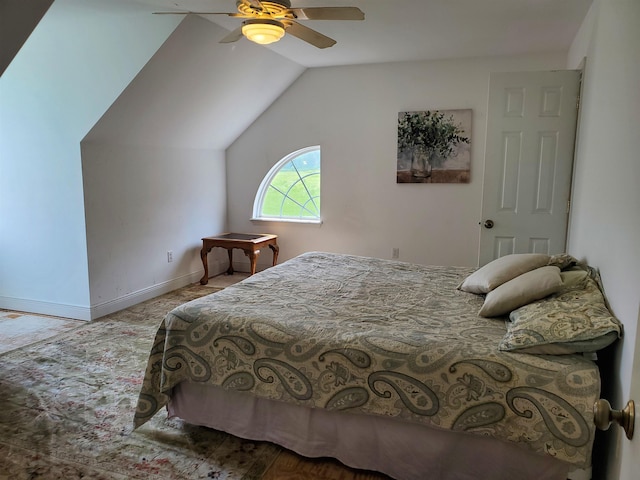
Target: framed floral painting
434	146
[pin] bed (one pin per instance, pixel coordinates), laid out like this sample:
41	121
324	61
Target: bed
414	371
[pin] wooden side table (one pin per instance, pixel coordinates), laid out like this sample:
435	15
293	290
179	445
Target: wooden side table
247	242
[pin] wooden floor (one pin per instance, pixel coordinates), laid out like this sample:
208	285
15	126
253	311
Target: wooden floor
289	466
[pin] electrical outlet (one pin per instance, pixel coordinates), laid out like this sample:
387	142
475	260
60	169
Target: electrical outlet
169	256
396	253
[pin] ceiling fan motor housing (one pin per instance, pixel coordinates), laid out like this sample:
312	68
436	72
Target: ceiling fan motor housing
269	8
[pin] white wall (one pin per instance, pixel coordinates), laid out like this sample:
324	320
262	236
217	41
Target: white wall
605	218
77	61
154	165
142	202
351	112
143	165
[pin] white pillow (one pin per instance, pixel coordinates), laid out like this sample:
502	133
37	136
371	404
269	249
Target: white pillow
501	270
522	290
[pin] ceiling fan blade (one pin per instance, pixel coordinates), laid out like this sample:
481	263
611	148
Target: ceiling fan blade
310	36
328	13
234	36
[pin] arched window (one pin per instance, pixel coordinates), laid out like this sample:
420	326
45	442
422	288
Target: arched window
291	189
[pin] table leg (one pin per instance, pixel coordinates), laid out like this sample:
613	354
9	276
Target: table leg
203	256
276	250
230	269
253	257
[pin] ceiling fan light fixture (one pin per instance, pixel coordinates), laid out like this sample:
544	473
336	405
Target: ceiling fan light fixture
263	31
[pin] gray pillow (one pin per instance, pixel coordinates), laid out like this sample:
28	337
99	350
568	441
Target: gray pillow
573	276
576	319
562	261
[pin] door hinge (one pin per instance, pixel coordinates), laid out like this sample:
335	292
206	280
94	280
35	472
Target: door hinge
568	206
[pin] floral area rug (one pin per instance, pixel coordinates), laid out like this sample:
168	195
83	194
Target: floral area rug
67	406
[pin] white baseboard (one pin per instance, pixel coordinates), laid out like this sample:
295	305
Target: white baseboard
101	309
133	298
46	308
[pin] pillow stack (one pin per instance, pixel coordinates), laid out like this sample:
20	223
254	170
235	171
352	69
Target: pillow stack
551	311
513	281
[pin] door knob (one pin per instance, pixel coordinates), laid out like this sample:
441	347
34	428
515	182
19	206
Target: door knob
488	224
604	415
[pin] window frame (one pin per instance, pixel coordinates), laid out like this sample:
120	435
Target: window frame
266	183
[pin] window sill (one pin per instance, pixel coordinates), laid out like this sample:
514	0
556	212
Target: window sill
289	220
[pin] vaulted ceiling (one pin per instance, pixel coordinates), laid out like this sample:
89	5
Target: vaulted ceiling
200	93
407	30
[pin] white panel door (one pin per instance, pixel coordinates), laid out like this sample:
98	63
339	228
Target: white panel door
531	126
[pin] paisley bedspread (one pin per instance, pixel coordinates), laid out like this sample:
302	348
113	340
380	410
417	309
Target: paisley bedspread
377	337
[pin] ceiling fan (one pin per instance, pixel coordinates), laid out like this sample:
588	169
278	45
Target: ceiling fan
267	20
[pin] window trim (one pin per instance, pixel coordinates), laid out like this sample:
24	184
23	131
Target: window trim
266	183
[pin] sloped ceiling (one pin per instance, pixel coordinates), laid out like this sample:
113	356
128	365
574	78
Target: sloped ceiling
196	93
410	30
17	20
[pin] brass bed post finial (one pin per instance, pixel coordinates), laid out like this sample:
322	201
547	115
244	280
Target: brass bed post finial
603	415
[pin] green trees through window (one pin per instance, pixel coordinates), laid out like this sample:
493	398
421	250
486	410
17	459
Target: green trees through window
291	189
